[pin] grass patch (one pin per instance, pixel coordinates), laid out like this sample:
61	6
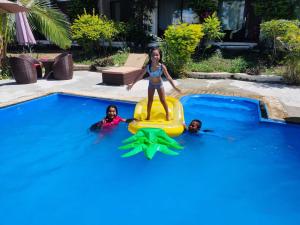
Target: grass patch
120	58
84	62
252	63
275	70
116	59
217	63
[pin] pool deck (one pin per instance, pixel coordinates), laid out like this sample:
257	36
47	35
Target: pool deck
282	101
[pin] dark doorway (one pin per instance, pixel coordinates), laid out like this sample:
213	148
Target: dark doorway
115	10
166	11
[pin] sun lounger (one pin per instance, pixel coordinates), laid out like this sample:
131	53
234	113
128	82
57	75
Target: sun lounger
125	74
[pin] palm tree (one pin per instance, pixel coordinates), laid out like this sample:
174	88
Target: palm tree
44	18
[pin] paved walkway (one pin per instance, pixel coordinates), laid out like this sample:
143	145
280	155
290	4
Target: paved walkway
282	101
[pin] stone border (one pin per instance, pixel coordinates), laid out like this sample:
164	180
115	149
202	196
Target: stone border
84	67
237	76
101	68
203	75
84	94
24	99
80	67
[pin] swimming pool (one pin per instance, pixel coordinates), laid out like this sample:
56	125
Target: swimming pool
54	171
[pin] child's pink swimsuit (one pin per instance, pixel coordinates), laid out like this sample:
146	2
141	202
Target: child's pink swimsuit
114	122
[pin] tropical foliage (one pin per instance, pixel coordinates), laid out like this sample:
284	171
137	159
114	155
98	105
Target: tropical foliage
271	30
285	37
212	28
291	44
275	9
179	44
88	29
49	21
44	18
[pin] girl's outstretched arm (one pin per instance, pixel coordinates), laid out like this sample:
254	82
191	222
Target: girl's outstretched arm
96	126
129	86
169	78
130	120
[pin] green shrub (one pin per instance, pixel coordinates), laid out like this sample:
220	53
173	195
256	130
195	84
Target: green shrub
274	29
122	30
212	28
212	31
88	29
179	44
291	43
285	37
238	65
120	58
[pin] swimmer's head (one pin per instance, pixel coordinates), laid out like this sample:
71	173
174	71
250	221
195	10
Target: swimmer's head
111	111
195	126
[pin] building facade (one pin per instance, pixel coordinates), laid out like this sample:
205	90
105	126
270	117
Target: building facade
237	16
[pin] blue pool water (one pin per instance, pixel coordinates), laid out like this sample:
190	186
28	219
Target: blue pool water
54	171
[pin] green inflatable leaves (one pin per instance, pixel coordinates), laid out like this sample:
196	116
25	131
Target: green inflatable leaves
150	141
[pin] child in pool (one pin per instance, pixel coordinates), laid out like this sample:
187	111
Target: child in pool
112	119
195	127
156	69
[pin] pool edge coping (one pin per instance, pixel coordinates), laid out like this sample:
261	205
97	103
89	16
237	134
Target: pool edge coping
274	107
35	96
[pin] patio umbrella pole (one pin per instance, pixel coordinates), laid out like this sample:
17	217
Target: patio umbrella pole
29	48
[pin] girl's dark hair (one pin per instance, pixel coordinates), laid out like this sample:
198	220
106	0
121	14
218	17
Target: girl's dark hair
199	122
160	53
111	106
